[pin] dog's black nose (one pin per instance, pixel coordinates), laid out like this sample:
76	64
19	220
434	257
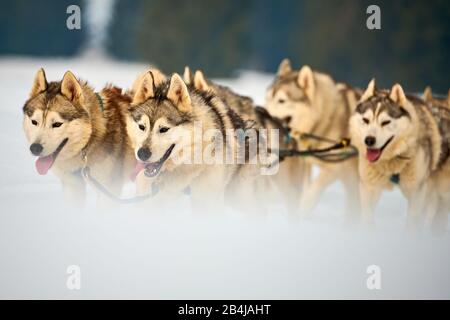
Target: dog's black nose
144	154
36	149
370	141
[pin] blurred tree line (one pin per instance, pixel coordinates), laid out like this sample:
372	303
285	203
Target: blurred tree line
413	46
222	36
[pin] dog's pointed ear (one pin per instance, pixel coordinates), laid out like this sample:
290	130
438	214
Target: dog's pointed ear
187	76
39	84
70	87
428	94
158	76
178	93
306	81
144	88
397	94
370	91
137	83
200	82
284	67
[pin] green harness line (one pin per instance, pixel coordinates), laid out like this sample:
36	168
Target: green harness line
323	154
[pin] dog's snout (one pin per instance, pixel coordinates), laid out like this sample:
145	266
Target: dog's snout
36	149
370	141
144	154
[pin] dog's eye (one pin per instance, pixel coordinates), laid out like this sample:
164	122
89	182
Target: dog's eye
366	121
163	129
281	101
142	127
34	122
57	124
385	123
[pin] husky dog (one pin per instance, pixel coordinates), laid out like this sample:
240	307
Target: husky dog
402	141
161	123
143	183
312	103
69	126
288	178
242	105
442	101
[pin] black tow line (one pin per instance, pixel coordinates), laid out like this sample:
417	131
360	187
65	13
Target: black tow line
86	173
324	154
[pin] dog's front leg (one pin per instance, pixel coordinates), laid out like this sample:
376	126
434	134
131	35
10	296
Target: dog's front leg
169	186
416	206
353	204
74	189
311	195
143	184
431	206
207	202
369	195
306	177
208	191
291	179
439	223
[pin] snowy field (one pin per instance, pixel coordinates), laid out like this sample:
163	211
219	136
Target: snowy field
165	253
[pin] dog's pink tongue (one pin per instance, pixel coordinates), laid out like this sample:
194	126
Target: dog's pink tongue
139	167
43	164
373	154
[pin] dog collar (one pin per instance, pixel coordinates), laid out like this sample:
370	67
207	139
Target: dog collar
395	178
100	100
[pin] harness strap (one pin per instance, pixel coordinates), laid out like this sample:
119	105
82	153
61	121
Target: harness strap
86	173
306	136
324	153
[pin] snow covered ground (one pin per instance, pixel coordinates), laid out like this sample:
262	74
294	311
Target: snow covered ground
145	252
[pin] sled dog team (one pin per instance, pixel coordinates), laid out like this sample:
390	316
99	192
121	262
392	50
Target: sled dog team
147	133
